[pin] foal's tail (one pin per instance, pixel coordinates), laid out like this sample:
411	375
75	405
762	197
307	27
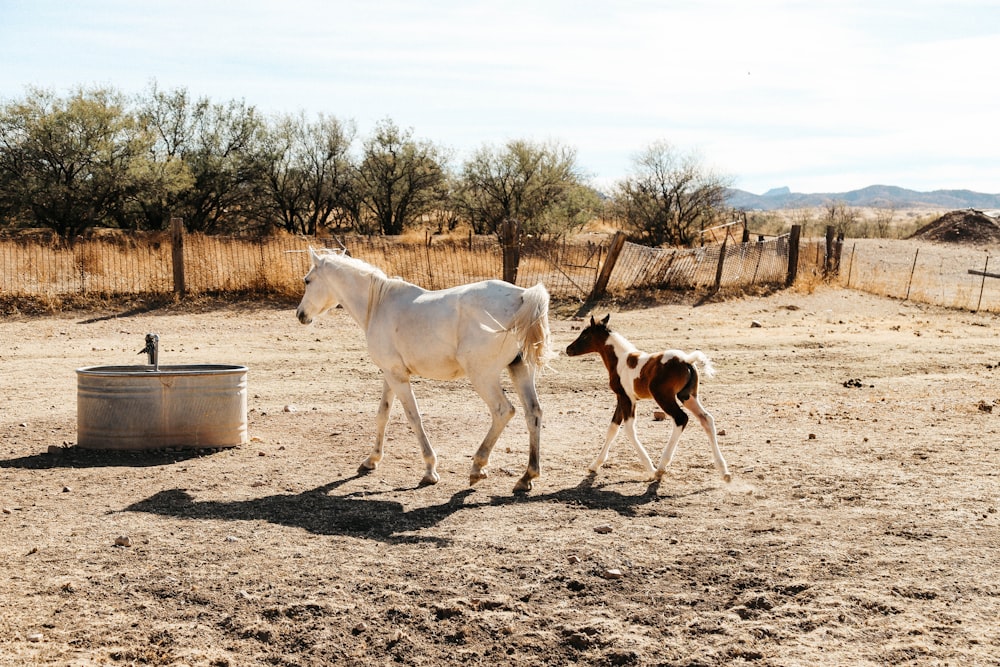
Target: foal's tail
699	357
692	359
531	324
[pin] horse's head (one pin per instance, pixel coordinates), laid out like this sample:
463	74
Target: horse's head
591	339
317	297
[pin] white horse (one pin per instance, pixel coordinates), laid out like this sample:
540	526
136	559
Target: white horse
472	331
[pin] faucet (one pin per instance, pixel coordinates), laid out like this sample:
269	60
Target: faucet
153	350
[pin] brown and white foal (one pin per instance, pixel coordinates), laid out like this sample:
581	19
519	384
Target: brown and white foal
667	377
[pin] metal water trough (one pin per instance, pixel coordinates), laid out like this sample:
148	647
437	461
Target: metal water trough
156	407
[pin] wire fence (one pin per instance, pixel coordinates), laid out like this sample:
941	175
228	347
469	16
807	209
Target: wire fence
138	264
721	265
949	275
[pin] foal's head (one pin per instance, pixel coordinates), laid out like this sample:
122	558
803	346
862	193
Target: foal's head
591	339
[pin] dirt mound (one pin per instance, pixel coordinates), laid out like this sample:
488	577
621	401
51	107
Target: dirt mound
967	226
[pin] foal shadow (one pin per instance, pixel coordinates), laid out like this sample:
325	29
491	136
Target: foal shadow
591	495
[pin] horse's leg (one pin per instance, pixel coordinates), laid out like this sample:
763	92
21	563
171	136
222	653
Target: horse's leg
616	423
490	390
640	451
708	423
404	392
668	452
668	401
381	419
524	384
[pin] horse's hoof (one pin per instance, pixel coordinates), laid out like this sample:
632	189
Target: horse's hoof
364	468
429	479
522	486
477	477
727	478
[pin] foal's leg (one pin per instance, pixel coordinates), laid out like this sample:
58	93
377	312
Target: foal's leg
668	452
624	415
668	401
640	451
613	427
524	384
708	423
490	390
401	387
381	419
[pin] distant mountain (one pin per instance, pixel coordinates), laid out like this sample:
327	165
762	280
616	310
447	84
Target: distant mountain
880	196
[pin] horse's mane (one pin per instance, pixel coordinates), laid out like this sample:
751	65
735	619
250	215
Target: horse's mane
341	257
379	283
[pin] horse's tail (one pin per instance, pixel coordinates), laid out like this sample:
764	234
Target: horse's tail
699	357
531	322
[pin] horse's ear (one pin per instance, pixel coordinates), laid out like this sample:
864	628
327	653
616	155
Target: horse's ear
605	320
313	256
593	322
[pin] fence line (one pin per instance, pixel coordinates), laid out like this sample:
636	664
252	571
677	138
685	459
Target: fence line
924	272
138	264
743	264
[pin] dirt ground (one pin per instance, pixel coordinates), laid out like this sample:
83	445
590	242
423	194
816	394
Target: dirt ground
861	526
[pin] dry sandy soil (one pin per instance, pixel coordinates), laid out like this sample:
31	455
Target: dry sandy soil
860	528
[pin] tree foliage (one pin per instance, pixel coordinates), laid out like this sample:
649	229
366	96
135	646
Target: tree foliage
306	173
399	179
670	197
539	185
225	159
93	158
75	163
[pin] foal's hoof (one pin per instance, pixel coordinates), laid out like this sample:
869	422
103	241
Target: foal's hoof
727	478
477	477
368	465
430	478
524	484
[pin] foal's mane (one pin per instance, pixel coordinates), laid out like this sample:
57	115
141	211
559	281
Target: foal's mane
621	342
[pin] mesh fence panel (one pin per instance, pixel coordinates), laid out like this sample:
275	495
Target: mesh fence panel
925	272
743	264
142	264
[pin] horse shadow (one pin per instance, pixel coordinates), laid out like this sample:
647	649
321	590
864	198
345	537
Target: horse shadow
359	514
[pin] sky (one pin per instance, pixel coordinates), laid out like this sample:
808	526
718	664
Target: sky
816	96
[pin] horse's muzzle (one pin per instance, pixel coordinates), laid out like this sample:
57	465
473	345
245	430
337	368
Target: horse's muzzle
303	318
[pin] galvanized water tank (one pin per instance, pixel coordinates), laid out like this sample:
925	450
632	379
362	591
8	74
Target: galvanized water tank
154	407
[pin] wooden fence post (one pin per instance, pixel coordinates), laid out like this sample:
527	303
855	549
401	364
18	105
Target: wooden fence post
617	243
722	260
828	258
912	269
177	255
982	285
793	254
510	236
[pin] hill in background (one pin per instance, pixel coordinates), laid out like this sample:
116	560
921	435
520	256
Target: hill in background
874	196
